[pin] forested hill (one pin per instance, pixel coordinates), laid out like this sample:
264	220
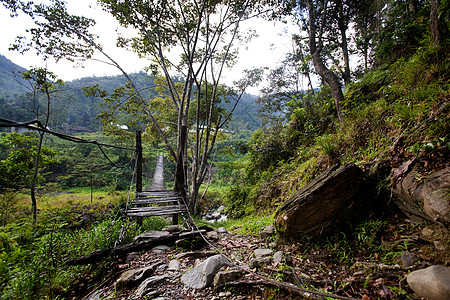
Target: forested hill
73	111
11	81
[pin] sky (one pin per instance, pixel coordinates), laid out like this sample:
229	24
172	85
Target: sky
266	50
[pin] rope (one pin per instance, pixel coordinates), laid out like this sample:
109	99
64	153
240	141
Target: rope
40	127
318	293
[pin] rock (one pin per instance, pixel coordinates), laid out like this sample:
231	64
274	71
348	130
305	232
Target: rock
427	231
212	235
281	257
259	262
221	230
267	232
151	235
425	199
132	256
438	245
408	259
174	265
262	252
202	275
148	283
334	199
173	228
221	208
161	249
222	277
432	283
134	277
215	215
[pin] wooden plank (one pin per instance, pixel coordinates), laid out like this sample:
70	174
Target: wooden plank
140	202
167	208
173	198
155	213
145	193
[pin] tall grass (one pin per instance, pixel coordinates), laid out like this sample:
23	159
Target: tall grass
32	258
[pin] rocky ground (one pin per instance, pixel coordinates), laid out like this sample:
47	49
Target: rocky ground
259	264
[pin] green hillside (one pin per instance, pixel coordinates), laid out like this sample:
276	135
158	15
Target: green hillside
11	82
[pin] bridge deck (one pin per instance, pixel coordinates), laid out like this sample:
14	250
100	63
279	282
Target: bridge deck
147	203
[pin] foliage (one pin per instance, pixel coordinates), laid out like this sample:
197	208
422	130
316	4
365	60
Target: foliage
249	225
17	161
32	258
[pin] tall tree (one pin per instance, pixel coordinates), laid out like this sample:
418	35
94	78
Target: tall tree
204	31
317	18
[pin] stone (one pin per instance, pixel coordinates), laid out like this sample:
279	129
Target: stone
432	283
161	249
151	235
174	265
259	262
203	275
427	231
281	257
267	232
262	252
222	277
173	228
425	199
148	283
408	259
212	235
336	198
438	245
132	256
134	277
221	208
221	230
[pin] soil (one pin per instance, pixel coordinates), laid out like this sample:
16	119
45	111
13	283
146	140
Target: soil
317	267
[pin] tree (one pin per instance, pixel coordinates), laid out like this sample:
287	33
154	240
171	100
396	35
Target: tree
18	167
285	90
204	31
41	82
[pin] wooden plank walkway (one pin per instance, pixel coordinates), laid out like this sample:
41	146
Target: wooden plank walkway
148	203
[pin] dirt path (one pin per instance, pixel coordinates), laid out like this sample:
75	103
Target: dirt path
158	177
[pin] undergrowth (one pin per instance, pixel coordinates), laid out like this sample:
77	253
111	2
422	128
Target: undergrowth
33	258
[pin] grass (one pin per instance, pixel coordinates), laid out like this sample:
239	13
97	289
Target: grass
69	225
249	225
72	198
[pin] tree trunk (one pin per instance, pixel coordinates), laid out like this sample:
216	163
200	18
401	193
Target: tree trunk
180	171
434	23
326	74
343	26
35	178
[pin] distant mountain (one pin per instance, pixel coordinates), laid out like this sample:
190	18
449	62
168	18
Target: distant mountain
11	82
72	111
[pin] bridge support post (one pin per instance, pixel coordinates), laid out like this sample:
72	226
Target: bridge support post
139	168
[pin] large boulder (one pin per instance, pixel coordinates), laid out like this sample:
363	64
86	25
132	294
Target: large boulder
423	198
334	198
431	283
203	275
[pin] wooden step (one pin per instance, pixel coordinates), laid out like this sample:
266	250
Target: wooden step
156	193
141	201
171	197
156	211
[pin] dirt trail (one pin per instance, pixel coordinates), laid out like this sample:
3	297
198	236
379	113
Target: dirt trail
158	177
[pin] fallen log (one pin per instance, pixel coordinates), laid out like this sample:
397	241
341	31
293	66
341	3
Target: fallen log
137	246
